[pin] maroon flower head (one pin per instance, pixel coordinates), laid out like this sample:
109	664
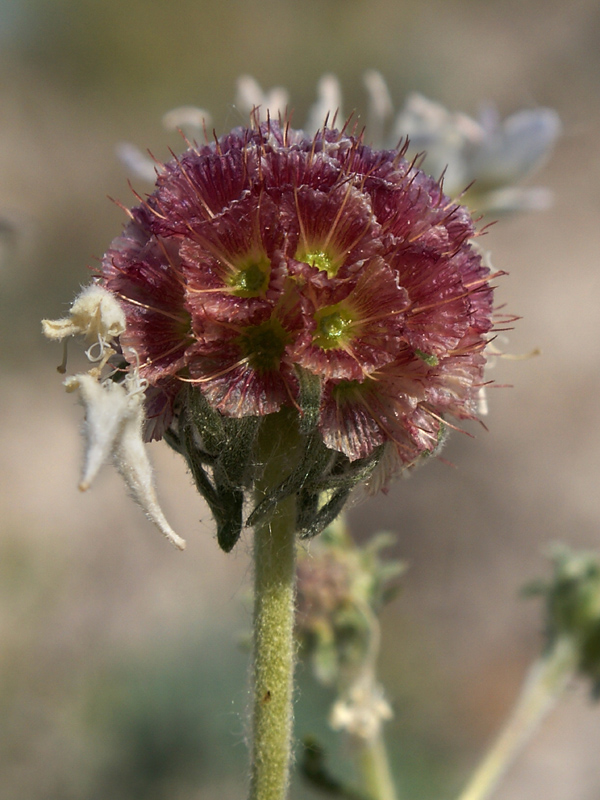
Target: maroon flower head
268	262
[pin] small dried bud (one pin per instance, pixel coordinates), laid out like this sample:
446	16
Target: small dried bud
341	589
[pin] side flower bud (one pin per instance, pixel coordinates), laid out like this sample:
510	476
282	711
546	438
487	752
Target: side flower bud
573	607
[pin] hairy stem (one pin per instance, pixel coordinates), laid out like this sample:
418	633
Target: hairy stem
274	648
543	686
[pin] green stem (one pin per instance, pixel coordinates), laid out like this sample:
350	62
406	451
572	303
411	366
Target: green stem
375	768
544	684
274	648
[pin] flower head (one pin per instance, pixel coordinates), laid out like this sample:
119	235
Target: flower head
270	271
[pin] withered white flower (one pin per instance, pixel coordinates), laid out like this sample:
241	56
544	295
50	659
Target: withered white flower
114	415
114	412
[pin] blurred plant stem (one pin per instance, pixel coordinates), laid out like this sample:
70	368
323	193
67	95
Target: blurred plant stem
361	710
377	781
544	684
274	646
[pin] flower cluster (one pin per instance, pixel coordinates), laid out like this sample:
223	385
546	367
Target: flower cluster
270	271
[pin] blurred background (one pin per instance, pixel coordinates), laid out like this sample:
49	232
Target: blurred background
122	670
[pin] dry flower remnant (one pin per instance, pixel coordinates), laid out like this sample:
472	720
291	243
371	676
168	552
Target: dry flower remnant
114	411
272	271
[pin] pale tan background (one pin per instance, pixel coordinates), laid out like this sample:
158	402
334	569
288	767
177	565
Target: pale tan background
120	670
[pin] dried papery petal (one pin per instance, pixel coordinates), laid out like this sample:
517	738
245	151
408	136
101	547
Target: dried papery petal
106	407
131	459
114	416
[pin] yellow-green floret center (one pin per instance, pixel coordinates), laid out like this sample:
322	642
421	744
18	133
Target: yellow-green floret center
322	261
252	279
264	345
333	323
